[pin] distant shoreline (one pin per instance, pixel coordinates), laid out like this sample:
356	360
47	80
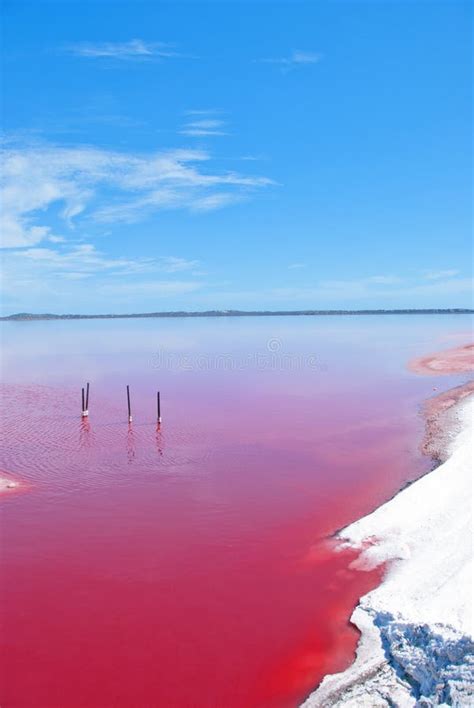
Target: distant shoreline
28	317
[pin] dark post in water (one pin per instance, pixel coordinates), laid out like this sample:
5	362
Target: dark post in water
129	408
85	402
158	408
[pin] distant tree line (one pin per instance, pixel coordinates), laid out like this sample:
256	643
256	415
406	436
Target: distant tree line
26	316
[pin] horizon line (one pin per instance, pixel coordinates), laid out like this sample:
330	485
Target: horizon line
25	316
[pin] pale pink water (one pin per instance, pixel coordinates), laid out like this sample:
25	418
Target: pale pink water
190	565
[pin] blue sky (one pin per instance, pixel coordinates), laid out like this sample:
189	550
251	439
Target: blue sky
248	155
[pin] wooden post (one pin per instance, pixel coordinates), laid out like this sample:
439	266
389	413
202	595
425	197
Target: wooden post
158	408
85	412
128	402
87	397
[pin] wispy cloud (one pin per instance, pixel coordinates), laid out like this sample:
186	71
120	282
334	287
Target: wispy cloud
216	201
440	274
347	294
384	280
36	277
383	290
203	122
85	260
202	111
149	288
177	265
297	58
76	278
46	186
203	127
133	49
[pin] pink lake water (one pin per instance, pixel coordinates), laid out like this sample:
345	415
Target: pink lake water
192	564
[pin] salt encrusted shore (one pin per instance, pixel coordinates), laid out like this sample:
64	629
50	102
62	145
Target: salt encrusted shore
416	646
451	361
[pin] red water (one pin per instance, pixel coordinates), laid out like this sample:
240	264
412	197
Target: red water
190	565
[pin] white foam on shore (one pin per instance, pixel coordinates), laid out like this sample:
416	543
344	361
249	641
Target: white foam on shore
416	646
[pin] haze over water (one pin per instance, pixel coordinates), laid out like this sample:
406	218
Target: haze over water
190	565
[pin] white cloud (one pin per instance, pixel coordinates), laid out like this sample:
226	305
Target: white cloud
440	274
163	288
205	126
346	294
296	266
384	279
177	265
79	276
380	291
133	49
215	201
295	59
202	111
56	239
105	186
299	57
86	260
